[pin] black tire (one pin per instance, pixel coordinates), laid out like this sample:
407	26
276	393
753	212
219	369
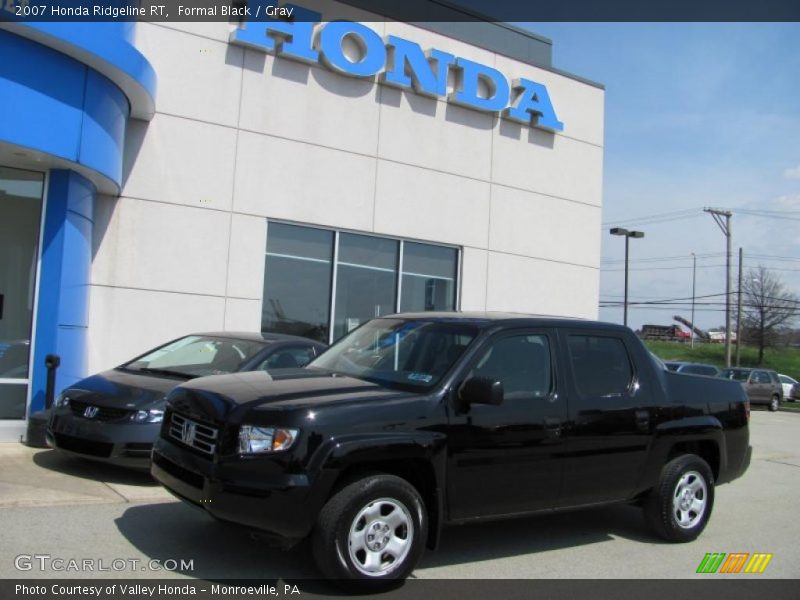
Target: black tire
774	403
670	501
383	497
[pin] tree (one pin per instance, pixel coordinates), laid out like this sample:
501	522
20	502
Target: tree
768	308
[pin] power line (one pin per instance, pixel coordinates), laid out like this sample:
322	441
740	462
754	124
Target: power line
674	309
663	258
790	304
689	267
690	213
666	268
675	214
649	259
769	214
773	257
687	298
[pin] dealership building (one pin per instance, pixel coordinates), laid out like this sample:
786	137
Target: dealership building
158	179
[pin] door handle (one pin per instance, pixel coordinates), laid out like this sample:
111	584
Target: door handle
643	420
552	426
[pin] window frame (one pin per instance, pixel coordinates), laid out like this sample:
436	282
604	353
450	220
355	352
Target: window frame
398	274
634	382
484	345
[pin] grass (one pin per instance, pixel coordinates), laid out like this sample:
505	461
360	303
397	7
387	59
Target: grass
782	360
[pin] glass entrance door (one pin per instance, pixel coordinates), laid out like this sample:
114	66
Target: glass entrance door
20	216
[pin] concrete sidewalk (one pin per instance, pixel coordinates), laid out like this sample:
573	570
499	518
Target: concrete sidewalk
43	477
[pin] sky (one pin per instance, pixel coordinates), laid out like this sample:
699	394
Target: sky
696	115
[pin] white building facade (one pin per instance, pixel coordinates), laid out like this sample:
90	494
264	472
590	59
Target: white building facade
244	140
263	192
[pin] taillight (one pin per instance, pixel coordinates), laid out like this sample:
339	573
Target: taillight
747	409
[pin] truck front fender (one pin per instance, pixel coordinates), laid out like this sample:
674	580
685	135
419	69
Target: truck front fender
419	457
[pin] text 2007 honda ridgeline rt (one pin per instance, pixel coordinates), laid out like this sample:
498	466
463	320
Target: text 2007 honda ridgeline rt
417	421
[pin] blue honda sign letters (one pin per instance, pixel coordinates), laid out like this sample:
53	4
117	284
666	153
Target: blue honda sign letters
404	64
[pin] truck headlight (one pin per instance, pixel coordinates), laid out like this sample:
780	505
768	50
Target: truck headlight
148	416
258	440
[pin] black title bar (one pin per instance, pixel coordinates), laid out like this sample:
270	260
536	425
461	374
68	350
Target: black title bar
400	10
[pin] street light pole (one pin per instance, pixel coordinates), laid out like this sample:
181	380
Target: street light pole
739	310
627	234
725	226
625	303
694	278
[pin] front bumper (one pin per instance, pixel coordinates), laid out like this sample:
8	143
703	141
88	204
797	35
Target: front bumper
242	491
124	444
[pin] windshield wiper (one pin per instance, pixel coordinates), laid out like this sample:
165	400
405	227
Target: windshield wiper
163	372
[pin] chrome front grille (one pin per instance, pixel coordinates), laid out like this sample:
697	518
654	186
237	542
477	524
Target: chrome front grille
193	434
98	413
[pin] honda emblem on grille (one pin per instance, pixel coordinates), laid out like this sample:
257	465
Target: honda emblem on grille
187	432
91	412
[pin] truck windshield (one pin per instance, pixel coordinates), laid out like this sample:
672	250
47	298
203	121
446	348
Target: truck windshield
404	353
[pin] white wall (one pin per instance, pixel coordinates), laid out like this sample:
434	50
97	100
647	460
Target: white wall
240	136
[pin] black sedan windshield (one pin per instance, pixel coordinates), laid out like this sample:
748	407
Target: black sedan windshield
196	356
399	352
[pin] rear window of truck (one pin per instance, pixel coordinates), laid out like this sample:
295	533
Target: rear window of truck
600	365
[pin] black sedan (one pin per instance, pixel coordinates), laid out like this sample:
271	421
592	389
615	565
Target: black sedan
115	416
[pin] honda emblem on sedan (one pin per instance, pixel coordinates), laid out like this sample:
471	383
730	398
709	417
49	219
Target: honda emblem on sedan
187	432
91	412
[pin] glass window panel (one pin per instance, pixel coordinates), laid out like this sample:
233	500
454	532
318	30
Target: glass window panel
297	281
20	213
600	365
366	284
368	251
14	359
429	277
305	242
521	363
20	216
13	397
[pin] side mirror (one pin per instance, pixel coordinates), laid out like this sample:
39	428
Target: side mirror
481	390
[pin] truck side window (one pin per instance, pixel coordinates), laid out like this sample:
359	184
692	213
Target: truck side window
521	363
600	365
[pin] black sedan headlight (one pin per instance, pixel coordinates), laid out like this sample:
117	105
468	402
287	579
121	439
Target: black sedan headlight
63	399
154	415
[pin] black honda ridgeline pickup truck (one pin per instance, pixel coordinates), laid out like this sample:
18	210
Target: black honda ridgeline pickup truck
417	421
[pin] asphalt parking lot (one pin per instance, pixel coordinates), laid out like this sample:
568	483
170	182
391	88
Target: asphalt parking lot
69	508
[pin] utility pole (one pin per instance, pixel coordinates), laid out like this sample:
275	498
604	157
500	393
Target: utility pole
723	219
694	278
739	310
